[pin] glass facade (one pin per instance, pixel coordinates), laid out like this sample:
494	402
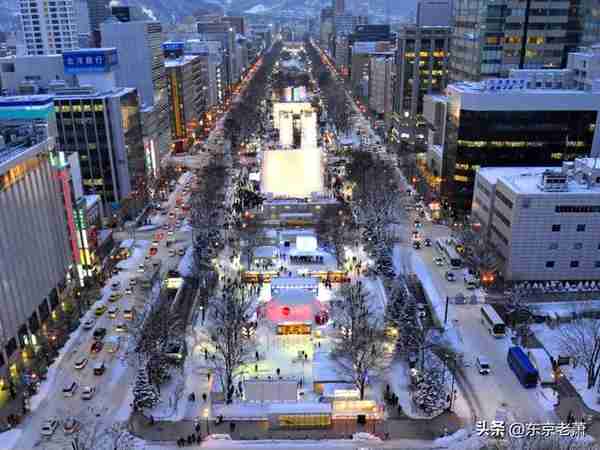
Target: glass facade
509	138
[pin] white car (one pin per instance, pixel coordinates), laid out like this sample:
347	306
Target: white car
141	268
49	427
70	389
438	261
70	425
483	365
89	324
88	392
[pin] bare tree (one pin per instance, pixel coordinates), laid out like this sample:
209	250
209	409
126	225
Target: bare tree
580	339
229	314
358	348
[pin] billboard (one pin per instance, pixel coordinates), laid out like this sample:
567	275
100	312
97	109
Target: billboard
90	60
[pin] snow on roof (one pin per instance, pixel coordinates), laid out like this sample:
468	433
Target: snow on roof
300	408
295	297
266	251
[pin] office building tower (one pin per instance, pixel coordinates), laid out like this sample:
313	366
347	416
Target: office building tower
364	41
339	6
238	23
35	248
128	13
504	122
380	92
542	222
223	33
99	11
142	66
187	99
489	38
434	13
102	123
422	68
214	66
48	27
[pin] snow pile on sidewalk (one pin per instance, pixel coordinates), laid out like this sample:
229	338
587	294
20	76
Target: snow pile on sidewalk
577	376
460	440
9	439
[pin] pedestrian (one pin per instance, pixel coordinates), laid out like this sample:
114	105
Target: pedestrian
203	399
257	355
189	440
198	428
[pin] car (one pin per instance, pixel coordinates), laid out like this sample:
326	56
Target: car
114	297
427	242
153	251
121	327
141	268
70	425
128	313
155	243
415	234
49	427
421	309
147	258
115	271
165	226
96	347
438	261
132	282
89	324
181	252
416	245
116	285
70	389
128	291
450	276
100	310
87	393
99	368
483	365
81	363
170	233
112	313
99	334
172	253
418	224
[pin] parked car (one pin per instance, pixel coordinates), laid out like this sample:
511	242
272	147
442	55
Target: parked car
115	296
89	324
132	282
81	363
97	347
116	285
99	333
483	365
438	261
70	425
70	389
172	253
121	328
421	310
450	276
100	310
88	392
128	313
141	268
416	245
49	427
112	346
427	242
181	252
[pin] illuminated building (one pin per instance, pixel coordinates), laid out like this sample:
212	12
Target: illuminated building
36	251
505	122
187	99
421	68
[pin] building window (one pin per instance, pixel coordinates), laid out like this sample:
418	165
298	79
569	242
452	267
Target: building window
504	199
549	264
597	264
580	227
555	228
577	246
553	246
574	264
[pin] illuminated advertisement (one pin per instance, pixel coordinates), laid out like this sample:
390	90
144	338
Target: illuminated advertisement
90	60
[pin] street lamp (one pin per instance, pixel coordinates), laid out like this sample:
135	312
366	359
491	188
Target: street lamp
205	413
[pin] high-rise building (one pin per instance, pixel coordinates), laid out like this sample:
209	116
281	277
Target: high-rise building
238	23
127	13
422	68
434	13
382	69
366	40
187	98
48	27
99	11
504	122
213	65
24	75
142	66
102	123
491	38
339	6
36	252
225	34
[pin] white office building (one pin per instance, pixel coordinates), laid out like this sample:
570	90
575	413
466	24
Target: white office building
544	222
48	27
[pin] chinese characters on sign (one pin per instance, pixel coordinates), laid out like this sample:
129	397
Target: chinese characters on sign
499	429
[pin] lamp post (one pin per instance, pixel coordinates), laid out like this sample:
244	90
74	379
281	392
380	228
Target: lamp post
205	413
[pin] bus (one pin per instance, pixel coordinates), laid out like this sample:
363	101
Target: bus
449	253
492	321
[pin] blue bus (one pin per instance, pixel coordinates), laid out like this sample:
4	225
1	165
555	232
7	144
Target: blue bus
522	367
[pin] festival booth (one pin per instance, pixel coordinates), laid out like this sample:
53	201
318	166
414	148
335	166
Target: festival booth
299	283
294	311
